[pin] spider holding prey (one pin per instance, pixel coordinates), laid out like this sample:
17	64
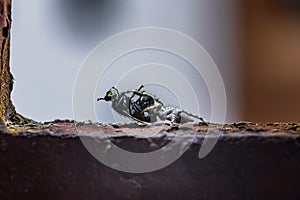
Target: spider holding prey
143	107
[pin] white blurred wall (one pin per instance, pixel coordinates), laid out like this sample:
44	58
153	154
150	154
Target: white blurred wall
47	51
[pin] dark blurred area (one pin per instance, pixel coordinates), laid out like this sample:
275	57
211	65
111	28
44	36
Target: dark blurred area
271	60
88	18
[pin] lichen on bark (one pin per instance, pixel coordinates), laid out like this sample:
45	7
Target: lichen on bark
7	109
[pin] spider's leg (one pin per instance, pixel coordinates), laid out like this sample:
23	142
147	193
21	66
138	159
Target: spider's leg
194	116
174	119
165	113
134	92
156	106
141	87
135	119
171	114
138	91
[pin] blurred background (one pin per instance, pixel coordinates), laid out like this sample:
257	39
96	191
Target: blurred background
271	60
254	43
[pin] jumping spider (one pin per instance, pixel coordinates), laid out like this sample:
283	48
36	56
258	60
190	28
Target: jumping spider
143	107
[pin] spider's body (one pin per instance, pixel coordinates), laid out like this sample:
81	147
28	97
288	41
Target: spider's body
145	108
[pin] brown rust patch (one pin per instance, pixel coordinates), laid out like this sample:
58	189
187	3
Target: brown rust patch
70	128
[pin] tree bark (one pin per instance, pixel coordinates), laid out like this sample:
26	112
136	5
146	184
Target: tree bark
7	110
